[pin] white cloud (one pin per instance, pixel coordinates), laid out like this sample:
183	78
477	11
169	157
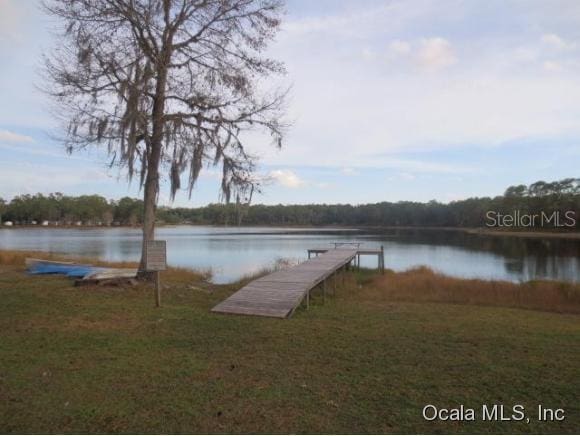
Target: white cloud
552	66
400	47
416	166
526	54
435	54
557	42
45	178
348	171
10	15
368	54
287	178
407	176
7	136
351	21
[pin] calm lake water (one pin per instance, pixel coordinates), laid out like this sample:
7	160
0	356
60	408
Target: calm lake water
232	252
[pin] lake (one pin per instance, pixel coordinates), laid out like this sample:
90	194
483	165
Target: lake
231	252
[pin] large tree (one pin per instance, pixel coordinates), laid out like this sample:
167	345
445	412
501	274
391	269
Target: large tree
167	86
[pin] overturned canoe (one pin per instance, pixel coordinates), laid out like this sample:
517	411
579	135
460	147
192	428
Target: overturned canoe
79	271
69	269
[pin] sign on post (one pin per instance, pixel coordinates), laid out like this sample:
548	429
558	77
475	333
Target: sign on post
156	256
155	261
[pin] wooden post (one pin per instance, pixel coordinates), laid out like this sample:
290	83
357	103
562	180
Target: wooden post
157	290
308	300
308	254
382	259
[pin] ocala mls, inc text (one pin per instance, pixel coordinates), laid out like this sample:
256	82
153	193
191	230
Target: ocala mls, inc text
495	412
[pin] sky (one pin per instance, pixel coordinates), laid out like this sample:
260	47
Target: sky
391	100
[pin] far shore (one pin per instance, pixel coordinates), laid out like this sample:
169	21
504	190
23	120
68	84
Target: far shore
526	233
514	232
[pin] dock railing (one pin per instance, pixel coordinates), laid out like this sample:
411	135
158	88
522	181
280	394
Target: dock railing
347	244
361	251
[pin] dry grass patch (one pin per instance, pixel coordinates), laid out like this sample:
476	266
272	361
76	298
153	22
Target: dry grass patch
17	258
424	285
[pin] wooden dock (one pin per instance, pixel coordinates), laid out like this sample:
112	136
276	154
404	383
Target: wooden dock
279	294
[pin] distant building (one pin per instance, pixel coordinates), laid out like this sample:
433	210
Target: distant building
33	222
79	223
8	223
44	223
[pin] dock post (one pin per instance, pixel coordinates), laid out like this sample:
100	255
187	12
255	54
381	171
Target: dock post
382	260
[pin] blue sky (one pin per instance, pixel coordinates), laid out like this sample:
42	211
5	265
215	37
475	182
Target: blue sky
391	100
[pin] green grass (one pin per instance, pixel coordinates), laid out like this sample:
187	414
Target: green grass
100	360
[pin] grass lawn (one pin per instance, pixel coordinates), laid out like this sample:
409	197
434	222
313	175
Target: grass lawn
104	360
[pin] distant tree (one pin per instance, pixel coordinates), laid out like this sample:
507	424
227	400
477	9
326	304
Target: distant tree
2	208
167	84
516	191
129	211
539	189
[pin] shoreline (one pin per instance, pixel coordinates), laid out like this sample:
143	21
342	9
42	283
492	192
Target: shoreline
525	233
520	233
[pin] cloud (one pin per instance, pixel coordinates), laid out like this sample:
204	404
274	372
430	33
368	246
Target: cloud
11	14
348	171
287	178
7	136
368	54
552	66
400	47
436	54
30	178
417	166
555	41
348	20
407	176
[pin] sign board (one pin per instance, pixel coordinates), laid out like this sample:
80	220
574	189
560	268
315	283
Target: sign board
155	256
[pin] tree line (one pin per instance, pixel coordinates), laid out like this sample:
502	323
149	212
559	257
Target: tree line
561	196
59	209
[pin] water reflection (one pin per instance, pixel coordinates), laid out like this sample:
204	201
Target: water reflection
233	252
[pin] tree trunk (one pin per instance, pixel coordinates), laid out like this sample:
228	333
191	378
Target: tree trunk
151	189
149	206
